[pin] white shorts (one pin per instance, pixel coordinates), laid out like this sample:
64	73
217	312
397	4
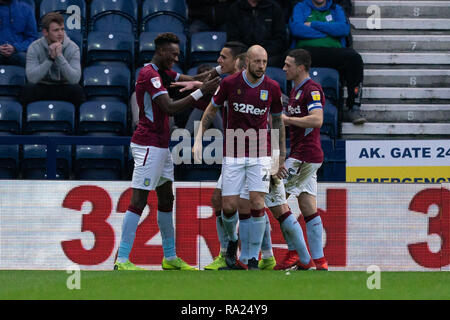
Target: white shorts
276	195
243	194
302	177
152	167
238	171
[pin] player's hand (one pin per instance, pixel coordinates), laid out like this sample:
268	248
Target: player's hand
285	119
186	85
282	172
210	85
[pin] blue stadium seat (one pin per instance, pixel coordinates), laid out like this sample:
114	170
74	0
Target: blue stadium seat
110	46
107	81
164	16
73	11
77	37
147	46
99	162
9	161
330	120
44	117
279	76
206	46
176	8
116	15
97	118
329	80
34	162
163	23
12	79
333	167
10	117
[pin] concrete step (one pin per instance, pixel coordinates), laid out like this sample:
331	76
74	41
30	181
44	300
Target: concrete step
406	112
429	94
383	128
401	43
407	78
401	23
402	9
405	57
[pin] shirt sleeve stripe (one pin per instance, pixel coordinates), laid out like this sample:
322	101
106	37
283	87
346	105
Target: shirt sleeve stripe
158	94
310	109
276	114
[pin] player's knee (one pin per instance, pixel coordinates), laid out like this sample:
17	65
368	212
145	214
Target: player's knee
216	200
165	203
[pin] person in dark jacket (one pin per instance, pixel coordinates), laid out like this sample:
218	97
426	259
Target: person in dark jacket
321	27
207	15
259	22
18	30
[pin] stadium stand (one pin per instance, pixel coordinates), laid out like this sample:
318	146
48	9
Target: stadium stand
406	77
206	46
279	76
10	117
9	161
75	9
106	82
164	16
99	162
47	118
10	123
98	118
110	46
117	15
12	79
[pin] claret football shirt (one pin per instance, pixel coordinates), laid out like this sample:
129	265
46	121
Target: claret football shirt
153	126
248	107
305	142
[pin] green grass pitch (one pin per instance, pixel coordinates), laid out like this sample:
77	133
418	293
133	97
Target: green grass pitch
223	285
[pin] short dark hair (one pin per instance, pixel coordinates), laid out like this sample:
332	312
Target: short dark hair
164	38
301	57
242	62
50	18
235	47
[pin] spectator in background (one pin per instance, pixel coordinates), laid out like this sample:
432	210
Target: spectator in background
200	107
321	27
259	22
53	65
207	15
17	30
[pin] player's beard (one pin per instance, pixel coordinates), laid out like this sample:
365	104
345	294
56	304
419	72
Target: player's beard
254	75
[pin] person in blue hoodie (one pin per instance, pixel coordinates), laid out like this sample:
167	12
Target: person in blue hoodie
18	29
321	27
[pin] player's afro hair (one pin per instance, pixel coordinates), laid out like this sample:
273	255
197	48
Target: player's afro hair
164	38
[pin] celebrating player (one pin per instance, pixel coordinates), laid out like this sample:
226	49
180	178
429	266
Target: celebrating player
250	96
153	166
304	117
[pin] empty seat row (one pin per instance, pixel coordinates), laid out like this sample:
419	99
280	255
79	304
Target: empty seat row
117	15
59	118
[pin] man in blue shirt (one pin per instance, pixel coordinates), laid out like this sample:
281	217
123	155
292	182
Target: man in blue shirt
17	30
322	28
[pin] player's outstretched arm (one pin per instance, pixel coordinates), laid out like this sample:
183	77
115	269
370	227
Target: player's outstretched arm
215	72
205	122
172	107
313	120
